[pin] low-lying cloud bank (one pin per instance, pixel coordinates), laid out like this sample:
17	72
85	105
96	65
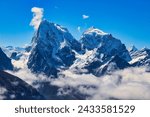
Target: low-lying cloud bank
131	83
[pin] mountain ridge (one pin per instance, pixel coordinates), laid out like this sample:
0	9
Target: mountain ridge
54	49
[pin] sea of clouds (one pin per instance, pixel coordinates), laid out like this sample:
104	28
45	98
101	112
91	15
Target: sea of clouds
130	83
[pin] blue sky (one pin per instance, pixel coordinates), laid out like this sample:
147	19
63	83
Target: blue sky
128	20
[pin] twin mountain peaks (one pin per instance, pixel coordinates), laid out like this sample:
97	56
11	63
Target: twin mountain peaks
54	49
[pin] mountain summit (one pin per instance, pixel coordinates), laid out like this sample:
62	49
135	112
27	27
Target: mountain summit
104	42
55	53
104	53
141	57
53	49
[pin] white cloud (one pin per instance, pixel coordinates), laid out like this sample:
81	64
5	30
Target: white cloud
37	17
79	28
26	75
131	83
2	92
85	16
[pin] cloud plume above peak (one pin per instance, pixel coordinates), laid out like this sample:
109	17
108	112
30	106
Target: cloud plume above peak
37	17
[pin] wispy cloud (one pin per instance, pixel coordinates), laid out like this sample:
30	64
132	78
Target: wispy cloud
37	17
85	16
2	92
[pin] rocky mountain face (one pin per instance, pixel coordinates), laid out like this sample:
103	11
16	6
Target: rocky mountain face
115	63
13	88
5	62
104	53
132	50
104	43
141	57
53	49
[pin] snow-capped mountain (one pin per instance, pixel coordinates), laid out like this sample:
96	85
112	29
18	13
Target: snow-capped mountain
5	62
141	57
53	49
13	52
13	88
132	50
105	43
104	53
115	63
55	53
18	55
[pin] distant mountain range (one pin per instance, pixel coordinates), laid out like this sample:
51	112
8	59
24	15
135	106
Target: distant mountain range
54	49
